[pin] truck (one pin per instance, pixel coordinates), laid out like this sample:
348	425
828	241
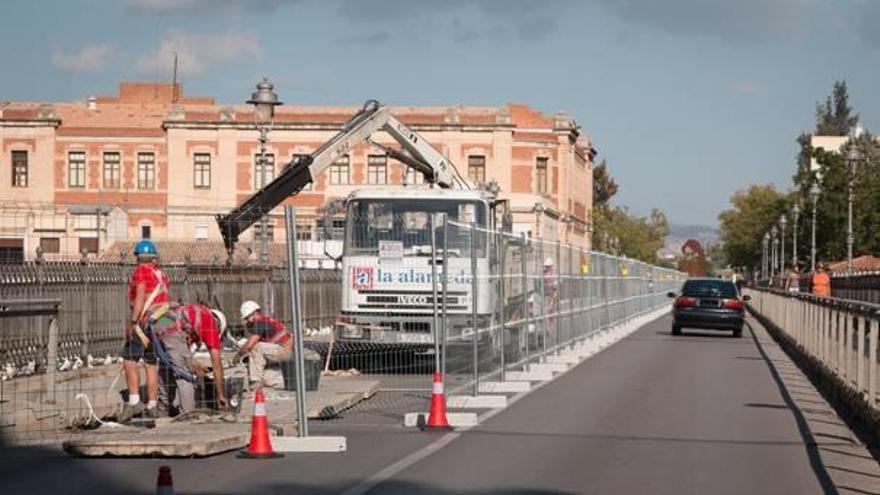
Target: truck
387	259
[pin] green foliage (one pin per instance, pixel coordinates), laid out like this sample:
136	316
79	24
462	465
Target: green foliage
604	186
835	117
639	237
742	227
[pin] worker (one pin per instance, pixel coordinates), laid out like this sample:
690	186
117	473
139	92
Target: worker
268	340
148	299
821	282
550	289
793	281
187	324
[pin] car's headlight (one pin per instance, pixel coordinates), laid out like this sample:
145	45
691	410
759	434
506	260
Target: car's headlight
352	332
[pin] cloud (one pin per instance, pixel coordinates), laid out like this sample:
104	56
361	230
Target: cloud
470	19
869	18
206	6
365	39
747	88
754	20
89	58
198	52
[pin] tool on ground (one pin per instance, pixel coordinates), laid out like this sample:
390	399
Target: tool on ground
260	446
437	419
164	483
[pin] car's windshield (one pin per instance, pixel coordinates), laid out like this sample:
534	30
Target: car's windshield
709	288
408	221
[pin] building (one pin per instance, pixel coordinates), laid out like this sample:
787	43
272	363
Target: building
151	162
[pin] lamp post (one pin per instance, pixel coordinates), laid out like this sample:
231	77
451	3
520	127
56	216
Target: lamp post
765	246
264	100
774	259
852	160
796	211
782	222
814	196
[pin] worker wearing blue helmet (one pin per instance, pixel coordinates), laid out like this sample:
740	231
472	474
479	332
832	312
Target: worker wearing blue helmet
148	296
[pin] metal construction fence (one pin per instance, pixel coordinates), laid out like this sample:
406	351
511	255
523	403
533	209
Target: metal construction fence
840	334
62	327
418	306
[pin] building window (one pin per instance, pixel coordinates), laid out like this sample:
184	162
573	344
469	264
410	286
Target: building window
339	171
146	171
88	245
201	233
267	163
541	175
270	232
19	169
304	232
477	168
412	176
311	185
377	169
76	169
202	171
111	170
50	245
146	231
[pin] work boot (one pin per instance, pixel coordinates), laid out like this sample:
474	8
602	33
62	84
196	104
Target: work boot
151	413
129	411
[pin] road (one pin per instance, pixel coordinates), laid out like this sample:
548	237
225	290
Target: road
702	413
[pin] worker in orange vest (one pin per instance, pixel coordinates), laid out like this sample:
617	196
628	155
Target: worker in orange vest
821	282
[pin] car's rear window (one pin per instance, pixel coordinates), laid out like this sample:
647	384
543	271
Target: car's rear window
709	288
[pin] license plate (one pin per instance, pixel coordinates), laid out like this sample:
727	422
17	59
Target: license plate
414	338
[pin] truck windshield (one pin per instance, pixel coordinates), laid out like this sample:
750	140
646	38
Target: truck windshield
407	221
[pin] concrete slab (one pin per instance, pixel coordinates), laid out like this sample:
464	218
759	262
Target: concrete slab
551	367
507	387
566	357
476	401
309	444
335	394
456	420
170	440
529	376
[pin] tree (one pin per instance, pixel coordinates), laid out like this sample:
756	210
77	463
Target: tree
639	237
604	186
742	227
835	117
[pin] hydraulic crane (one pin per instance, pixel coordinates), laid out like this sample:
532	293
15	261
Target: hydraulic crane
415	152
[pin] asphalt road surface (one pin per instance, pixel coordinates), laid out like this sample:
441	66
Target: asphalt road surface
701	413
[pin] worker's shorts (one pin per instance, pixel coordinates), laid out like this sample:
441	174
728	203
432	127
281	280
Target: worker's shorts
133	350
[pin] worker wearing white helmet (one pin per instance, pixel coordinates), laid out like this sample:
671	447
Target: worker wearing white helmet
268	340
193	323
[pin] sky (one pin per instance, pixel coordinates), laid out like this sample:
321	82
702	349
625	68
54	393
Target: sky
687	100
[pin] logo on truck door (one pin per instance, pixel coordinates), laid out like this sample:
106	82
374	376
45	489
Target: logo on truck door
362	277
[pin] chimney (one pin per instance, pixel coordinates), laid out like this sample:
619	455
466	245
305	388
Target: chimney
92	103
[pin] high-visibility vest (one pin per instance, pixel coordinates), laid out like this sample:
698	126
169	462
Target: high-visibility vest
280	333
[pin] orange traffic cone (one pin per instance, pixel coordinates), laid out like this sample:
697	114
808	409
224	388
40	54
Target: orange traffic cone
164	484
260	446
437	419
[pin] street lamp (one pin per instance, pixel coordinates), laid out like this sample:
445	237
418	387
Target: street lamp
782	222
765	246
264	100
852	160
796	211
814	196
774	250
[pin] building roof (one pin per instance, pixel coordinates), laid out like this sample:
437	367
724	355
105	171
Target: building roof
864	263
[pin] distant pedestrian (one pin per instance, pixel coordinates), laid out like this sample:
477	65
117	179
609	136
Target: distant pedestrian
148	298
821	282
269	340
793	281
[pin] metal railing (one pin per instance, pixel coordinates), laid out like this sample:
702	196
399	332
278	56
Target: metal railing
840	334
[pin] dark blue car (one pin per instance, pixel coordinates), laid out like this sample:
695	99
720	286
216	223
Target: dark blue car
708	303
